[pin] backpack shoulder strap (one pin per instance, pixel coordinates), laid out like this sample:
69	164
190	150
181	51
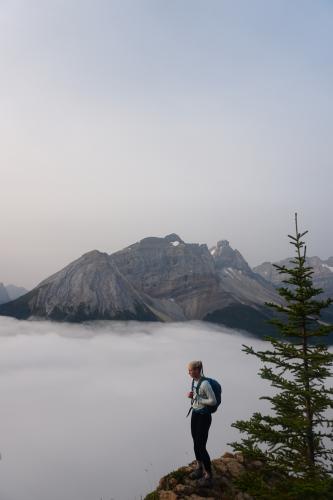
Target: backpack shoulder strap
199	384
191	407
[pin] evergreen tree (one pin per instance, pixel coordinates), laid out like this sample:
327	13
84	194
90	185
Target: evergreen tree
294	439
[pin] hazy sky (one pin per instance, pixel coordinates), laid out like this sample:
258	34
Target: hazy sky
125	119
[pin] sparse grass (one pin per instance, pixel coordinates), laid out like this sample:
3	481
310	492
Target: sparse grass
179	475
176	476
152	496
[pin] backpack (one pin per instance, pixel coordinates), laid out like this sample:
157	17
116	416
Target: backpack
217	389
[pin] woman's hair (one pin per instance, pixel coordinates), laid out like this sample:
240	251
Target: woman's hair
195	364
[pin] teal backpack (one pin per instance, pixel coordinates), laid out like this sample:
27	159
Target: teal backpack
217	389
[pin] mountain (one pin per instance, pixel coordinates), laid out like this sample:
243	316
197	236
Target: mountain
169	268
322	273
157	279
216	285
4	297
248	289
238	278
15	292
322	277
89	288
10	292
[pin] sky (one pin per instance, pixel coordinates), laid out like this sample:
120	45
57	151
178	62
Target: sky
104	399
126	119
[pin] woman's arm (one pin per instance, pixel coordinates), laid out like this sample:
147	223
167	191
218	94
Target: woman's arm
209	399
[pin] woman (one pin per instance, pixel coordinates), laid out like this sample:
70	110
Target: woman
202	396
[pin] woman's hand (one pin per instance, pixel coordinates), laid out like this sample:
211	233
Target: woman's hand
190	395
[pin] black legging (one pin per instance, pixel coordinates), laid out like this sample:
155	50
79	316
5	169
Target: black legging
200	423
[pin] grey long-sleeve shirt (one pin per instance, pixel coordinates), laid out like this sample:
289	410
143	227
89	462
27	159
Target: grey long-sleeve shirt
205	397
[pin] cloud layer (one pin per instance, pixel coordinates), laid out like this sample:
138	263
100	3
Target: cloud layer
86	407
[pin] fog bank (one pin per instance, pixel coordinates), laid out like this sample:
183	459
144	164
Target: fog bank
98	410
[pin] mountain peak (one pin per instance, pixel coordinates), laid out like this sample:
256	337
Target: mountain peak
225	256
156	241
173	238
223	243
93	254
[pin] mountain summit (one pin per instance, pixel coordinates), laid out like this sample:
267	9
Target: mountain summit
225	257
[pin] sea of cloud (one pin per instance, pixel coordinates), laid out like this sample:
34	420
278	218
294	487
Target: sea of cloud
97	411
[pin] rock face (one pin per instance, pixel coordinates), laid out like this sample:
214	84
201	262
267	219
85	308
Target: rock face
238	278
225	257
4	297
179	272
177	484
167	267
247	310
88	288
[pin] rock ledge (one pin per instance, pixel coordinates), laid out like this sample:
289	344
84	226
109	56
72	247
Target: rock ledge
178	486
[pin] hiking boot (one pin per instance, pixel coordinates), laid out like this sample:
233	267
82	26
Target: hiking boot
196	473
206	482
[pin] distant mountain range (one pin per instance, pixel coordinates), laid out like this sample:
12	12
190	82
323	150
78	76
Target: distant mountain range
161	279
322	277
322	273
10	292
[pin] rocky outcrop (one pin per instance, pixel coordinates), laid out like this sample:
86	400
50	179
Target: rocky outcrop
4	297
226	470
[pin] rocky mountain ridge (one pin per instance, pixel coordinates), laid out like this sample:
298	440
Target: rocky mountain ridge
155	279
322	277
322	269
322	273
